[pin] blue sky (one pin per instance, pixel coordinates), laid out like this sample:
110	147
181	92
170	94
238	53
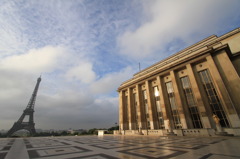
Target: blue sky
84	49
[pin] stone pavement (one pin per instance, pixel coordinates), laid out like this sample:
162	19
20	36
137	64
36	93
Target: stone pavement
126	147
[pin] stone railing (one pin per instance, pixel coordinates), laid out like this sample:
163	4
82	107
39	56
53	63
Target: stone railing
129	132
115	132
178	132
234	131
198	132
153	132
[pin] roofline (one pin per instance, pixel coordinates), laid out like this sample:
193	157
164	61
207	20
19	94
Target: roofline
207	42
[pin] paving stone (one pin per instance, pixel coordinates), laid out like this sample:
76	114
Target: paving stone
118	147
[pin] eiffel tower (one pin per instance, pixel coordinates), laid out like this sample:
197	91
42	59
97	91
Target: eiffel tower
28	112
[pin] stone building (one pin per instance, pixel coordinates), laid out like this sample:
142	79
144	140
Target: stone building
184	91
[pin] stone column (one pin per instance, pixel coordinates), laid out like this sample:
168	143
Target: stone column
140	111
162	99
230	77
130	110
198	97
223	93
168	122
150	104
120	111
125	111
178	75
178	100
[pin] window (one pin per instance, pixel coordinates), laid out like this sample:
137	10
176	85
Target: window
213	98
136	109
175	113
145	103
192	106
158	106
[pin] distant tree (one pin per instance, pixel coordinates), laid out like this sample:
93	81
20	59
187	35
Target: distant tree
110	130
55	133
114	128
84	133
64	133
92	131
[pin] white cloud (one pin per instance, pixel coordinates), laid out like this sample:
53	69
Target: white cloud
171	20
12	39
76	110
83	72
110	82
40	60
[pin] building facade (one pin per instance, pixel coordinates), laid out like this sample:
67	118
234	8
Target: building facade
184	91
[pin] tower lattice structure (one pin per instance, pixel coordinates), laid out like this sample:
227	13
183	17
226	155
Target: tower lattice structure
29	111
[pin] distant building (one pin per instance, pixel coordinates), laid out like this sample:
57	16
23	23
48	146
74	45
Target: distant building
184	91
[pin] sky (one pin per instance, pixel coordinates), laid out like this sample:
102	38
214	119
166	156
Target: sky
84	50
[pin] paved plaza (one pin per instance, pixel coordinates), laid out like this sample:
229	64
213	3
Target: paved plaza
114	147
